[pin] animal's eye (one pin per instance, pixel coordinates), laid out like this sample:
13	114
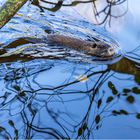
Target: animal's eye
94	45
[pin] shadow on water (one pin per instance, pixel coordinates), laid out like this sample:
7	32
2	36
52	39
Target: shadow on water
52	92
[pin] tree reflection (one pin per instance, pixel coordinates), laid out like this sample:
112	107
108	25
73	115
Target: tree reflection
44	98
36	109
102	15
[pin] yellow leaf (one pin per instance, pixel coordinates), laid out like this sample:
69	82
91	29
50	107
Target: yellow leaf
82	78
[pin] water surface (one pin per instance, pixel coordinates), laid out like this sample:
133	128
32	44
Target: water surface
49	91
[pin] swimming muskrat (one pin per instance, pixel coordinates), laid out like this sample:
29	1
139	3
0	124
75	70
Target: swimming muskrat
98	48
93	48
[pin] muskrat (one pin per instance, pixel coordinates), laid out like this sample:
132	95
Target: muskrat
93	48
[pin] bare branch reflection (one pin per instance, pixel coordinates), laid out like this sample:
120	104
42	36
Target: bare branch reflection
102	15
68	108
51	98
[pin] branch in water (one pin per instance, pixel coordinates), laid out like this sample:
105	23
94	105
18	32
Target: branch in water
9	9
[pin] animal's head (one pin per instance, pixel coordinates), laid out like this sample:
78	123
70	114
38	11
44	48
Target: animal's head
102	49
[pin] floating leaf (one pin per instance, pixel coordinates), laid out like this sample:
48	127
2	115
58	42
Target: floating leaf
138	116
109	99
136	90
82	78
80	131
112	87
130	99
99	103
97	119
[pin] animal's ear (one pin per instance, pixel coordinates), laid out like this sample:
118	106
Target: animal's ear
94	45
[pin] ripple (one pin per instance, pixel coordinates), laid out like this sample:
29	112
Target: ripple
36	25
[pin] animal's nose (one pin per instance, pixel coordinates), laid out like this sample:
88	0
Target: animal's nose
111	51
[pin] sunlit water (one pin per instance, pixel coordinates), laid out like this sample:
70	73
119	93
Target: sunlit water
49	91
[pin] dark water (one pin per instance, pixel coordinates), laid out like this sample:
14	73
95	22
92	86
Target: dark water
49	91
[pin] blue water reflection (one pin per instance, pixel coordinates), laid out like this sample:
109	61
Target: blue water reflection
59	93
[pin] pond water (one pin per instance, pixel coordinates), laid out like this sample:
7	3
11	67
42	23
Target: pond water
49	91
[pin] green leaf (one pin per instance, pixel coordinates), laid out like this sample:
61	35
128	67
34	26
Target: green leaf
130	99
97	119
109	99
